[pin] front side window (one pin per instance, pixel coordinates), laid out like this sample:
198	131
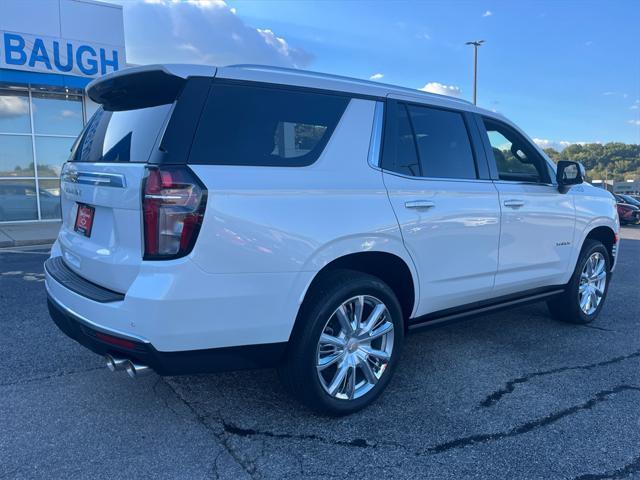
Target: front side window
265	126
515	158
428	142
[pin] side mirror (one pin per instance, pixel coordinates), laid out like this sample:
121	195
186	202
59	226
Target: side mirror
569	173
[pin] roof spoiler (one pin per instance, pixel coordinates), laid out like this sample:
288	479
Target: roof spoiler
142	87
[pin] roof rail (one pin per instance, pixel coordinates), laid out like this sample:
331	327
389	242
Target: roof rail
329	76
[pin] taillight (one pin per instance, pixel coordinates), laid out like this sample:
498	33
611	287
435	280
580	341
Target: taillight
173	203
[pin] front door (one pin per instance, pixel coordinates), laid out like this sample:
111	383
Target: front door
537	221
449	218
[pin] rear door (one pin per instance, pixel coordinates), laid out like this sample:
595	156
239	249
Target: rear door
449	215
537	221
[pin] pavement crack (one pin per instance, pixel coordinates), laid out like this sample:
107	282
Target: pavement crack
164	398
632	467
250	432
214	467
247	466
531	425
594	327
510	386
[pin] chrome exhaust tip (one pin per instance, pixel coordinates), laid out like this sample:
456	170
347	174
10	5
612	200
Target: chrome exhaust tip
135	369
115	363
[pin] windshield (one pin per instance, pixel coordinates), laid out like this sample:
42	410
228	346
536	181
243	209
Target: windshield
630	200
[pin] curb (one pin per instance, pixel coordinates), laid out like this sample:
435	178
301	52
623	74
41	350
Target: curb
26	243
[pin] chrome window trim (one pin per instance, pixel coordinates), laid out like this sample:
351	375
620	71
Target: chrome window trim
375	143
437	179
518	182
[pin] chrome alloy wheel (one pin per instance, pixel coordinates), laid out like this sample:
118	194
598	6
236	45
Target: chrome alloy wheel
355	347
593	281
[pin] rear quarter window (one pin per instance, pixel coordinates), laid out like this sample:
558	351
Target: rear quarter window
265	126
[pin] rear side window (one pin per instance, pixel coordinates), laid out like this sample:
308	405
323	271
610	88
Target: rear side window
265	126
122	136
405	146
443	143
428	142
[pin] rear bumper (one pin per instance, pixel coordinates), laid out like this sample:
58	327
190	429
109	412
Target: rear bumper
102	341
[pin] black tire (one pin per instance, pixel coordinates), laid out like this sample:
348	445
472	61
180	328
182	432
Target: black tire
299	374
566	307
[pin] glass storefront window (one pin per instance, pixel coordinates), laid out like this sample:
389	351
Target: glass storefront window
38	125
55	114
49	198
14	111
18	200
51	153
16	156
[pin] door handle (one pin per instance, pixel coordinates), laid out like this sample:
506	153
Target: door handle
419	204
514	203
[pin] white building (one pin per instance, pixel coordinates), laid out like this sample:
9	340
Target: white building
606	184
49	51
628	187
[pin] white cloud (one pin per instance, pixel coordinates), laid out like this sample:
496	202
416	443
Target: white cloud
636	105
376	76
488	13
203	31
69	114
441	89
609	93
559	144
546	143
198	3
634	122
13	106
423	36
588	43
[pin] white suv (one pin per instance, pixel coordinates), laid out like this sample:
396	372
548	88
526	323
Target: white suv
247	217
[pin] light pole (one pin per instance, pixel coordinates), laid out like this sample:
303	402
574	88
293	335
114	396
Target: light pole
475	44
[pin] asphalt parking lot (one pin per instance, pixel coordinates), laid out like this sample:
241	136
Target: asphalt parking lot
509	395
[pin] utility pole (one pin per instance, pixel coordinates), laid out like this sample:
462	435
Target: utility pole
475	44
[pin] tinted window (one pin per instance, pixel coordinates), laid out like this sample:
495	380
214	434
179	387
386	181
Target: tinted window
123	136
443	143
400	153
515	158
263	126
427	142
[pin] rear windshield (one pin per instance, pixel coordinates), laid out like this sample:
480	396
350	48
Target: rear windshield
123	136
265	126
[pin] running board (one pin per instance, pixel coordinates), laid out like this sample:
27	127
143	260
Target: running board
461	313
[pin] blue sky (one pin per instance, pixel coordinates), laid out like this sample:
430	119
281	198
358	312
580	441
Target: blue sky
565	71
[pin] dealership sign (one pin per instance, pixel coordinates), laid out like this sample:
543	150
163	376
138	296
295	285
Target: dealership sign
54	55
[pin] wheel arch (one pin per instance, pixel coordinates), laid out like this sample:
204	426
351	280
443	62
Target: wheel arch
391	268
604	234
